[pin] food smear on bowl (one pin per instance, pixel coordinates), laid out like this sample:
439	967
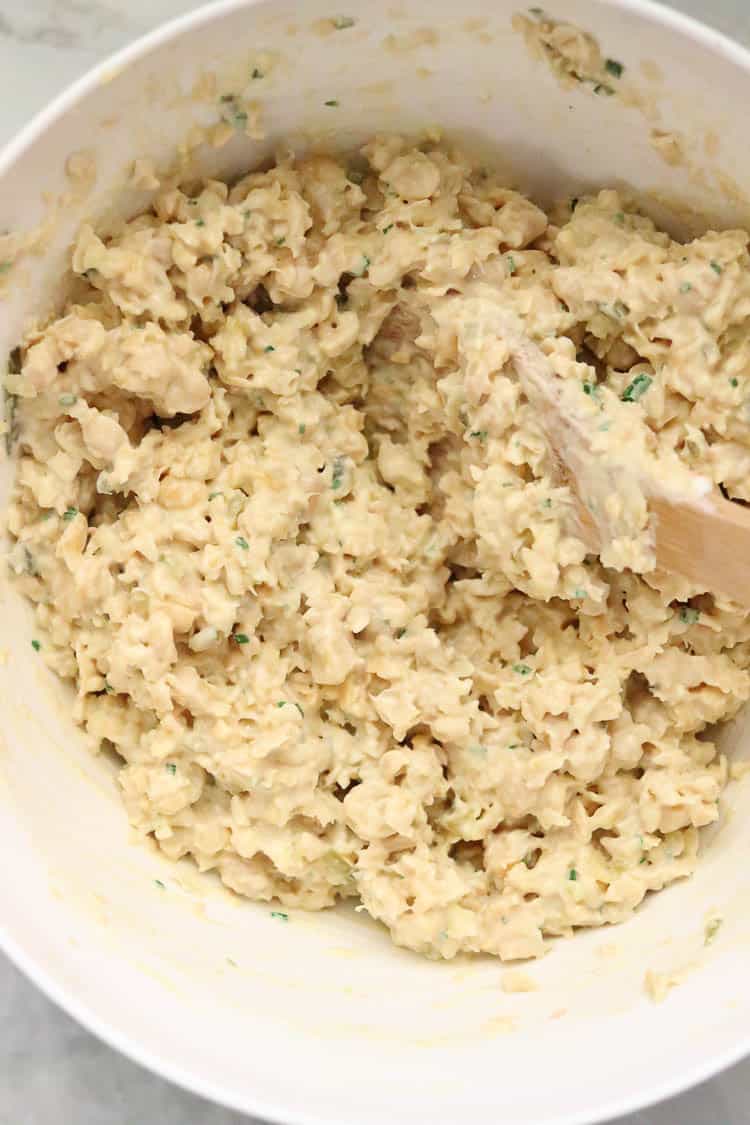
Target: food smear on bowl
295	535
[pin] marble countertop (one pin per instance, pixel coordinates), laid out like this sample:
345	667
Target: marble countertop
51	1070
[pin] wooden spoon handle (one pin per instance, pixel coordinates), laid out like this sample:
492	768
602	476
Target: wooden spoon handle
707	543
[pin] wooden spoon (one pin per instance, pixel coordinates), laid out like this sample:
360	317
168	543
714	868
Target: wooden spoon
697	533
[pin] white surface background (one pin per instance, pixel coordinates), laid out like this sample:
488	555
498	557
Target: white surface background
51	1071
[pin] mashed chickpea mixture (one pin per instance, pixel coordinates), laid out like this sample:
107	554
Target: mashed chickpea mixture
292	531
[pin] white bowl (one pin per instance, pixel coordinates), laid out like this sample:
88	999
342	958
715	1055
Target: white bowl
321	1019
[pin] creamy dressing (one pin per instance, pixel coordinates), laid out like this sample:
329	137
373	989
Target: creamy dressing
293	532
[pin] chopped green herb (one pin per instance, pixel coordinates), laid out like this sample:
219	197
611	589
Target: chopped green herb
108	688
282	917
604	89
388	228
5	266
337	472
342	22
302	713
717	268
712	928
590	389
572	875
301	428
734	382
200	222
68	400
213	495
331	102
280	241
171	768
242	543
269	348
511	264
70	514
579	593
481	434
281	703
538	12
688	615
637	388
522	669
685	287
235	114
613	67
619	217
10	403
400	633
363	266
547	503
160	885
256	73
241	638
36	645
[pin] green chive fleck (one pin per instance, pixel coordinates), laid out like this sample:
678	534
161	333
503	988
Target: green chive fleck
171	768
256	73
572	875
717	268
688	615
68	400
734	382
242	543
685	287
5	266
613	67
70	514
331	102
637	388
282	917
522	669
241	638
337	472
511	264
590	389
481	434
342	22
388	228
604	89
160	885
200	222
301	428
269	348
36	645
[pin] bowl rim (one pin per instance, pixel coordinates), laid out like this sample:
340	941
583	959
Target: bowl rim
654	11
